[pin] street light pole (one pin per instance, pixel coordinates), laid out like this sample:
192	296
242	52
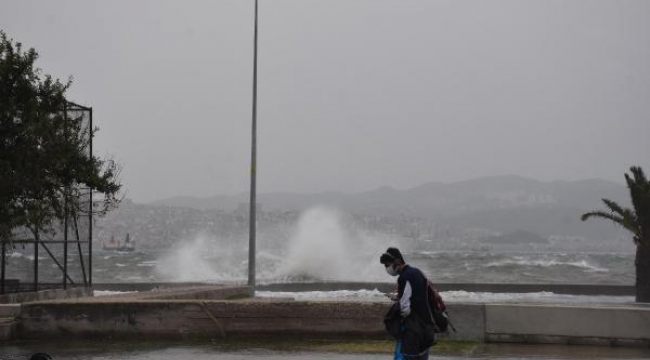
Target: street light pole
252	214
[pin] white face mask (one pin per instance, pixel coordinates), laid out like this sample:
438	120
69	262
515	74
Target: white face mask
392	270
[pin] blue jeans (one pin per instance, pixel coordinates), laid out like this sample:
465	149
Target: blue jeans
399	356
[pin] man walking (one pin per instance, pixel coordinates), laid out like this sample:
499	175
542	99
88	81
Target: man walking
417	323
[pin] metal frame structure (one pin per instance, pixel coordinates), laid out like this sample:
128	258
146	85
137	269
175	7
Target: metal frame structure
252	219
79	224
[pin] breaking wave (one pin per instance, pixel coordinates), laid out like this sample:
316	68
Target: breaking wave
582	264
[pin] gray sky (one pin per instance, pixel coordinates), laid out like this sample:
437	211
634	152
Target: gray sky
353	94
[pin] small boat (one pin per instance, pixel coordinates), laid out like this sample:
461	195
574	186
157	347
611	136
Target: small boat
117	245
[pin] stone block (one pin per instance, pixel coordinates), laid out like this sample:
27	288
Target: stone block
577	324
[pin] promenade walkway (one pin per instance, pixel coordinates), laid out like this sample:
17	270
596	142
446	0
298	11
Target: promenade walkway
340	351
220	313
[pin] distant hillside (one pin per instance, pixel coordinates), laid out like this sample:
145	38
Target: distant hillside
504	203
503	192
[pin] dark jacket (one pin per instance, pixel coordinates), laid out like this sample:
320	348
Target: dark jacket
418	330
418	284
393	321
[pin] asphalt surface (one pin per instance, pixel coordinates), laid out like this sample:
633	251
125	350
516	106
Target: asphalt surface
482	351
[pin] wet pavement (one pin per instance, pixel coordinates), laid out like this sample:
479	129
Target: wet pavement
200	352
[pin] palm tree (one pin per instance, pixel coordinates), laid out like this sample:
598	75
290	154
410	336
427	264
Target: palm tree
637	221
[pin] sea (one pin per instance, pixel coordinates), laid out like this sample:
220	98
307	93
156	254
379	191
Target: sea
440	266
322	248
197	263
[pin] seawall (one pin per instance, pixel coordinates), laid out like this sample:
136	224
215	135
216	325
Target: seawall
568	289
218	312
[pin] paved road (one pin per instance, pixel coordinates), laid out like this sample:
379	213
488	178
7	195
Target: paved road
501	351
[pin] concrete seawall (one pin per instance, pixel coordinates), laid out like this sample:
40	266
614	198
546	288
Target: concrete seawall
601	325
203	312
201	319
570	289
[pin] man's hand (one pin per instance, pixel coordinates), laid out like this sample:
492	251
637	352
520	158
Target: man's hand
392	295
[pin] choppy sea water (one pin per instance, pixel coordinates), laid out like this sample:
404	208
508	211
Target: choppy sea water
211	265
208	264
443	267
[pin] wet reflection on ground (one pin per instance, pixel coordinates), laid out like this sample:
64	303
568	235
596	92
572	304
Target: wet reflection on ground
140	351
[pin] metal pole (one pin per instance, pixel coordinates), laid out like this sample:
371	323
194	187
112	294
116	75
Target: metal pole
65	208
81	255
90	208
36	238
56	262
252	217
65	238
4	252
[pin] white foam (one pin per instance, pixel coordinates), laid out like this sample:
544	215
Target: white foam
339	295
109	293
452	297
148	263
519	261
532	297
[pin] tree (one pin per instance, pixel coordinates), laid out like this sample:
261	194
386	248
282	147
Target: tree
637	221
44	157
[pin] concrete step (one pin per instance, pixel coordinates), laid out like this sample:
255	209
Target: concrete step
9	310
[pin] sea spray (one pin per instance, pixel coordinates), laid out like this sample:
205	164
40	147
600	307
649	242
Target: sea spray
325	247
324	244
203	258
317	249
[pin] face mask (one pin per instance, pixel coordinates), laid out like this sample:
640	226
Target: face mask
392	270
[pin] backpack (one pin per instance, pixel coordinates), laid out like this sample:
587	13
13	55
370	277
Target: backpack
438	309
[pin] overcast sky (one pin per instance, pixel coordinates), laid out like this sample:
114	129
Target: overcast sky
353	94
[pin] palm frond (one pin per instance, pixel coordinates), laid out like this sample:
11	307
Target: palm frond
614	207
627	219
604	215
639	188
630	222
639	176
635	219
627	215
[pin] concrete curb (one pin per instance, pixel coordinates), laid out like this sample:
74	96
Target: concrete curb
202	312
592	325
215	319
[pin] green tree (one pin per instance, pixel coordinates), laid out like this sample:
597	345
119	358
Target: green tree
637	221
44	157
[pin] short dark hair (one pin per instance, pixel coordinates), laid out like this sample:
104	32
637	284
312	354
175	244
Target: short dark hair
391	256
